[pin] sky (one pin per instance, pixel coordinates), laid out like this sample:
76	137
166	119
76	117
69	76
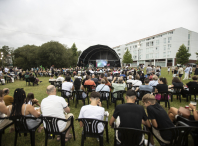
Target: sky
91	22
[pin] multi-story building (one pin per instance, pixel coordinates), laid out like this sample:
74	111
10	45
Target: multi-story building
161	49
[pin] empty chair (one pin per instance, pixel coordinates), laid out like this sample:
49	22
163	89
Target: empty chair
78	94
119	96
105	95
66	94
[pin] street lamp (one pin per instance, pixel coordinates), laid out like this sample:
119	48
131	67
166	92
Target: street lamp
138	46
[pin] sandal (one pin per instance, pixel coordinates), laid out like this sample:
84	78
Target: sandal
40	129
68	138
58	138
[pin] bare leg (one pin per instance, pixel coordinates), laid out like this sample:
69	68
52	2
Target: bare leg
172	113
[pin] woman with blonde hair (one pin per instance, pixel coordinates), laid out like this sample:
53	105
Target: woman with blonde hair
154	81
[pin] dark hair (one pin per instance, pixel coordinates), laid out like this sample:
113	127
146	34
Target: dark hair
30	96
1	93
95	94
194	77
77	84
137	77
163	80
19	98
146	80
102	75
176	80
109	74
131	93
6	91
68	78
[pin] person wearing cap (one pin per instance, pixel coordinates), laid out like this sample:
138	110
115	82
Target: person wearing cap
93	110
7	98
129	115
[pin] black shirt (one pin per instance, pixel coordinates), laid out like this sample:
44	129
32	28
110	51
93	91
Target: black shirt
162	87
191	84
130	114
95	80
163	121
175	71
178	84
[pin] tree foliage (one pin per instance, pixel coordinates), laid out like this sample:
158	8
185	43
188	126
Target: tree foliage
127	57
197	58
74	49
182	56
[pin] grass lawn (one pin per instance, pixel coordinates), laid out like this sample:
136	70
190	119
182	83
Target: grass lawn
40	93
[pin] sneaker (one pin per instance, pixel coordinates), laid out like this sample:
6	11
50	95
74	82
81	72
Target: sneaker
146	143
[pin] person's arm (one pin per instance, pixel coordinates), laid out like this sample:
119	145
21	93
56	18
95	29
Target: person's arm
114	79
3	108
136	89
32	111
195	114
156	90
67	109
112	121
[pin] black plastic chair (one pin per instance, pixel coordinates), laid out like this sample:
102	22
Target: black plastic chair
89	89
90	129
78	95
142	93
59	85
52	82
192	91
179	135
8	79
20	123
130	137
2	130
105	95
64	95
120	96
51	127
186	122
164	98
177	92
129	86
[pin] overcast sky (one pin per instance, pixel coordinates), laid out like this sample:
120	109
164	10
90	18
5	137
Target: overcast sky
91	22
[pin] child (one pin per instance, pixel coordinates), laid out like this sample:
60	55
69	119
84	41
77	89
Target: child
168	70
31	100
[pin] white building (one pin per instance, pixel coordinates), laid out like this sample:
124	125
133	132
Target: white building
160	49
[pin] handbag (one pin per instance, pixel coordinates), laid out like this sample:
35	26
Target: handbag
184	112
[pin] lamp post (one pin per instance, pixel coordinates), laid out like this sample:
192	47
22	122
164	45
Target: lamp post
138	46
2	58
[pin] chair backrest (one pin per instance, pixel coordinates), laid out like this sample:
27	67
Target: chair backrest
142	93
120	94
177	89
64	93
187	121
193	90
88	88
104	95
78	94
130	136
164	96
90	126
179	134
129	86
154	88
51	124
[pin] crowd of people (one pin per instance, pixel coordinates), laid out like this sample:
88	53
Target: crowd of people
129	115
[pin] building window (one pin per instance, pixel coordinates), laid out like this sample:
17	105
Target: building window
157	55
157	49
151	43
188	42
164	40
164	48
147	50
147	44
169	39
188	36
147	56
140	56
164	54
151	50
188	48
150	55
126	48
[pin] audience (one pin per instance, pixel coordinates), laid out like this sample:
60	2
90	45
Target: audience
7	98
102	86
67	85
55	106
154	82
78	87
130	80
60	78
176	83
145	87
31	100
94	79
90	82
137	81
161	87
129	115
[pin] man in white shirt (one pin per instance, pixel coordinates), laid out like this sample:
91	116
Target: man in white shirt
6	69
67	85
94	110
190	72
187	70
136	82
55	106
60	78
130	80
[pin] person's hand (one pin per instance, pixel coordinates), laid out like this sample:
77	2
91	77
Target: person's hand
114	78
99	103
192	106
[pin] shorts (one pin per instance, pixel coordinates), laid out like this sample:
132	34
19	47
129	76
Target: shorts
68	122
180	75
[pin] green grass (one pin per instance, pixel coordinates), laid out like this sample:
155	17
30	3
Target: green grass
40	93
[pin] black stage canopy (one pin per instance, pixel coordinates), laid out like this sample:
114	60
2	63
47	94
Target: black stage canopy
99	52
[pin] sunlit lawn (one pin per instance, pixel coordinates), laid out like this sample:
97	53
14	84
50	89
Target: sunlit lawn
40	93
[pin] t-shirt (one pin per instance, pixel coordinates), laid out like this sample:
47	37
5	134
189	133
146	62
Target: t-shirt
118	87
148	70
181	70
187	70
136	82
89	82
95	80
163	121
93	112
60	79
191	84
175	71
162	87
103	87
67	86
8	100
146	88
153	83
130	114
178	84
53	106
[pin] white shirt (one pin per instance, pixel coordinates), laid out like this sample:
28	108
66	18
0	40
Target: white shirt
60	79
67	86
153	83
53	106
93	112
136	82
6	69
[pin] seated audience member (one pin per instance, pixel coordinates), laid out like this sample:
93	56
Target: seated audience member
161	87
176	83
52	78
158	117
94	79
31	100
137	81
130	80
129	115
36	79
123	74
20	108
151	76
109	77
7	98
102	86
60	106
60	78
93	110
154	82
107	82
174	111
90	82
86	78
67	85
145	87
78	87
130	73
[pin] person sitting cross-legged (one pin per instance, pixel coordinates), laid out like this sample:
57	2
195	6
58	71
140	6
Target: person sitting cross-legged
55	106
159	118
129	115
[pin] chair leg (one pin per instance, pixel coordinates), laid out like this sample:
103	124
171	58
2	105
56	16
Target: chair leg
107	104
101	140
82	140
76	103
46	138
32	137
68	101
15	140
168	105
63	139
0	138
171	98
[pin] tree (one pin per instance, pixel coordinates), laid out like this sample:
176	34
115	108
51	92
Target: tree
74	49
182	56
197	58
127	57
